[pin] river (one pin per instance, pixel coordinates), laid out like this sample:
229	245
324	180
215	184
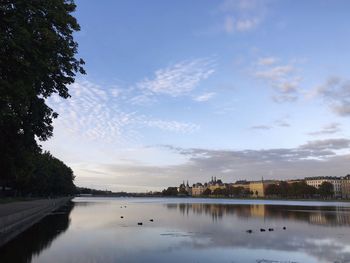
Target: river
186	230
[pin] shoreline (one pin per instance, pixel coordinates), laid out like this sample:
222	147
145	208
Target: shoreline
222	197
16	217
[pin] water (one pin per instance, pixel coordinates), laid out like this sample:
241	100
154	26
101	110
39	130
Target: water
186	230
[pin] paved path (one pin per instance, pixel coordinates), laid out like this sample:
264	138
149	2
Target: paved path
15	207
16	217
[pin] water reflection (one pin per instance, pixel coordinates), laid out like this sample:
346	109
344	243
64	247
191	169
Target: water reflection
37	238
321	232
322	215
186	231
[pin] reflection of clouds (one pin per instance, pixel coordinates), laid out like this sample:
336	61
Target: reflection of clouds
326	216
317	231
186	232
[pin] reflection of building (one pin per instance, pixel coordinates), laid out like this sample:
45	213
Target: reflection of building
335	181
345	186
327	216
257	210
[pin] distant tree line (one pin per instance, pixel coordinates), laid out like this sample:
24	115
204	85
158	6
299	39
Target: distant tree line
299	190
279	190
37	59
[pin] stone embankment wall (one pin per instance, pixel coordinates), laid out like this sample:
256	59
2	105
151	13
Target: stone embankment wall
18	216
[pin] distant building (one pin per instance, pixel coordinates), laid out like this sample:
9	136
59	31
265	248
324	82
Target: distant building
345	187
242	183
215	184
185	188
335	181
198	189
295	181
258	188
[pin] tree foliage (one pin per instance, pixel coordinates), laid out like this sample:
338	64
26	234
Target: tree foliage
326	190
170	191
37	59
293	190
206	192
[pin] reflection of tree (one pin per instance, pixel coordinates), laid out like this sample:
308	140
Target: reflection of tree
330	216
38	237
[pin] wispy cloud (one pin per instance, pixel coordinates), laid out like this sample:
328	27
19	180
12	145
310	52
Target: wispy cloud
242	15
267	61
172	126
178	79
204	97
327	144
282	122
283	78
336	93
261	127
102	113
327	129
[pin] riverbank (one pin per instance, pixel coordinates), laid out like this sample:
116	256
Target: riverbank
16	217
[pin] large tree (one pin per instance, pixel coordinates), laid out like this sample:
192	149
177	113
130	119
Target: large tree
37	59
326	190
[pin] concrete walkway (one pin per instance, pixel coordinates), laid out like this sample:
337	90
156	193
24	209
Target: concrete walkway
16	217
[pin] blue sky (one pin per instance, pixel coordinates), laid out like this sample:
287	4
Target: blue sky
186	90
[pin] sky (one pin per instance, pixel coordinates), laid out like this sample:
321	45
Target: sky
187	90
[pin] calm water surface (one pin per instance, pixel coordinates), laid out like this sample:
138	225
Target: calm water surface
186	230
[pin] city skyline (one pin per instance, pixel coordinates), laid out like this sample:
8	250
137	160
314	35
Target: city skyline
232	89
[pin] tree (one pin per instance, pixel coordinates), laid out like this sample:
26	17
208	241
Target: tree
206	192
170	191
37	59
272	190
326	189
183	191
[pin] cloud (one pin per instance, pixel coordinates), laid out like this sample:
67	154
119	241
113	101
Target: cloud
239	25
242	15
267	61
205	97
102	113
247	24
261	127
336	93
277	123
172	126
275	73
327	129
329	144
178	79
314	158
283	78
282	122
